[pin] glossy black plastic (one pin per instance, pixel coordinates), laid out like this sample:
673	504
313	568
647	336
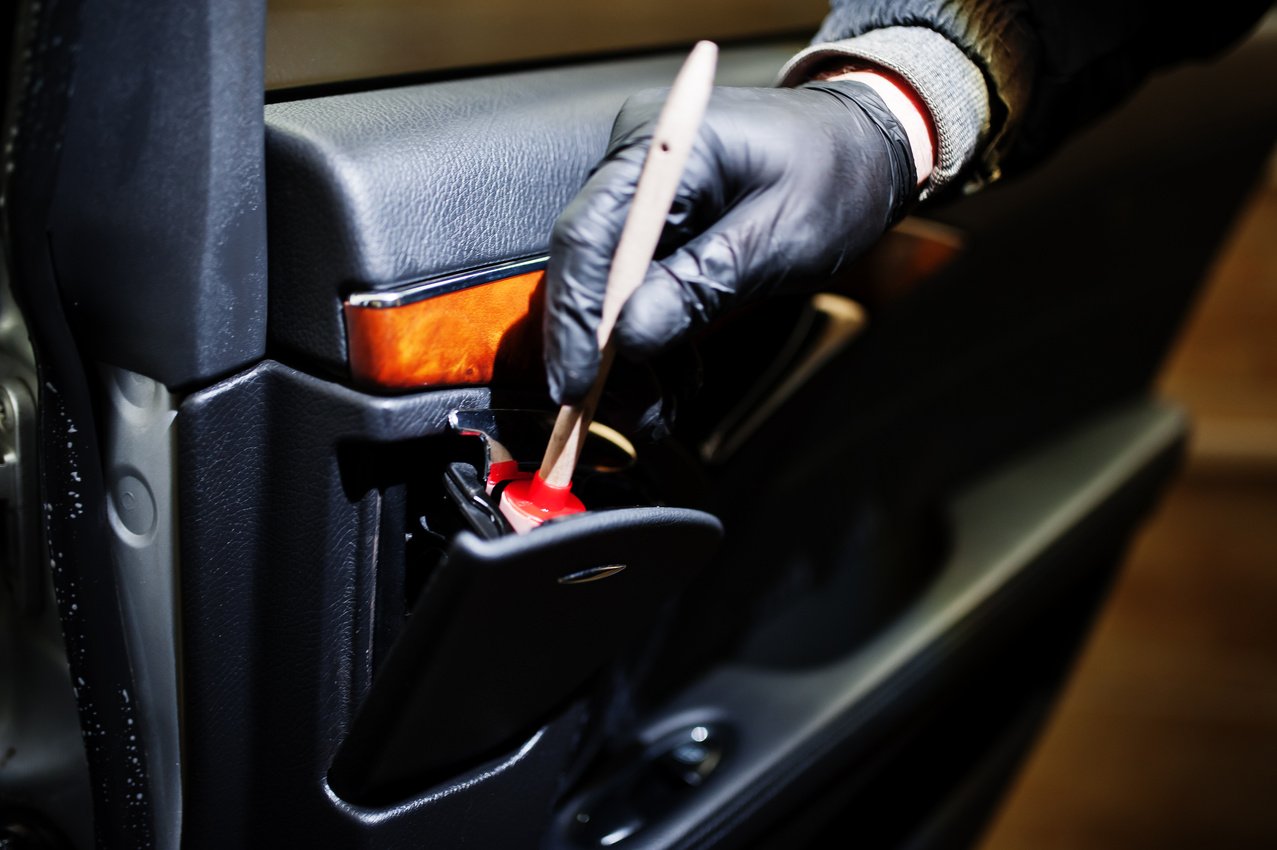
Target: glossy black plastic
505	631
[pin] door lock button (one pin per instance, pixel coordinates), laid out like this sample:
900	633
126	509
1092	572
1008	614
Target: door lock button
646	789
694	759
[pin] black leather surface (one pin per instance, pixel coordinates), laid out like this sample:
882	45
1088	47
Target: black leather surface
372	189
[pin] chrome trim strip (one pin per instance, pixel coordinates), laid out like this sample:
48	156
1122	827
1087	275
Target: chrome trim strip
411	293
591	574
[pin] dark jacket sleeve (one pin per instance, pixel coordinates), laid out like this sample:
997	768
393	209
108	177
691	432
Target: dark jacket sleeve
1053	65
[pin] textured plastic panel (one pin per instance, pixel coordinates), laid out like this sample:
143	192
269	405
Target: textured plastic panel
279	577
141	512
158	228
380	188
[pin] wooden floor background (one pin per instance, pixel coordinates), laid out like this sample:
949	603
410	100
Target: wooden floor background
1167	734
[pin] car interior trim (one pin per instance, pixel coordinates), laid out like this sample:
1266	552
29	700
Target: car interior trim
1004	526
464	330
142	517
443	284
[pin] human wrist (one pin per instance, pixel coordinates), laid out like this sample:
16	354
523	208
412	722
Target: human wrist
907	108
872	126
949	87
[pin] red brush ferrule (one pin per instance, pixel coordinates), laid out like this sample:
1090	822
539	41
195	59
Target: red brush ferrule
503	470
547	497
528	502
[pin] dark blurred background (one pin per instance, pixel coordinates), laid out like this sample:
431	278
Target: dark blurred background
1167	734
320	41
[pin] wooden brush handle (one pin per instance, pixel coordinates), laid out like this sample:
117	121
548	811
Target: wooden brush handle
671	144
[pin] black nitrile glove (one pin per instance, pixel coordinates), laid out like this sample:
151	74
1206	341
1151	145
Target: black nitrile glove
783	187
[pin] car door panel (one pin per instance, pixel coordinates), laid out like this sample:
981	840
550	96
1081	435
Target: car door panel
1023	542
380	189
916	532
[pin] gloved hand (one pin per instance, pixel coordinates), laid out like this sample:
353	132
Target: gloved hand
783	186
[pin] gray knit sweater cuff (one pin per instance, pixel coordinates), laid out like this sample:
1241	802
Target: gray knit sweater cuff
949	85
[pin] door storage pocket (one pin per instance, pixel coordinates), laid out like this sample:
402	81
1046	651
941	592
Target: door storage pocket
505	632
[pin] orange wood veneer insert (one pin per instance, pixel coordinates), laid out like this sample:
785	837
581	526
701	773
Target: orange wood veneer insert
478	335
